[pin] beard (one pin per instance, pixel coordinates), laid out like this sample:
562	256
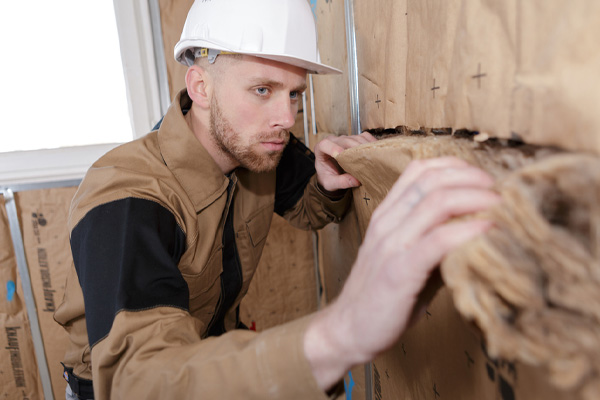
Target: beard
252	155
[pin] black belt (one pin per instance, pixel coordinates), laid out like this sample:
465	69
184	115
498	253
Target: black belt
82	388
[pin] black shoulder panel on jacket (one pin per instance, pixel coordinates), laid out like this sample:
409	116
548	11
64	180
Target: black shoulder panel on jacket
126	254
295	169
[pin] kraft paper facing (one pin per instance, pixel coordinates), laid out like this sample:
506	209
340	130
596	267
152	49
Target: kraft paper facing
43	216
525	70
428	59
331	93
482	68
19	377
381	47
557	85
284	287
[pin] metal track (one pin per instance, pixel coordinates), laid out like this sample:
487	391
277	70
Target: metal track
313	119
36	333
355	125
352	67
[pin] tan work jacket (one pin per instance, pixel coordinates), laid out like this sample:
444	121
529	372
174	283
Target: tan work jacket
147	239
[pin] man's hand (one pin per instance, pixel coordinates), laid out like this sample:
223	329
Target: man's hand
405	241
329	174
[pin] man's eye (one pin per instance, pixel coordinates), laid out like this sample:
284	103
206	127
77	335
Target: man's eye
262	91
294	95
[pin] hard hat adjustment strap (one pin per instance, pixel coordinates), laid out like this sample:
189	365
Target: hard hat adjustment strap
210	53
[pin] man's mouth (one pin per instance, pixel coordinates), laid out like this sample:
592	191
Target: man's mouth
274	145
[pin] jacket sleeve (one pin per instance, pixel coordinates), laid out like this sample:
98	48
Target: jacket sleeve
145	344
298	197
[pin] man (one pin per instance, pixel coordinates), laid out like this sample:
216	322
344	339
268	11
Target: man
167	231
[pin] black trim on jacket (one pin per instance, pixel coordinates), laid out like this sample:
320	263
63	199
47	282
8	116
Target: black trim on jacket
126	254
231	277
295	169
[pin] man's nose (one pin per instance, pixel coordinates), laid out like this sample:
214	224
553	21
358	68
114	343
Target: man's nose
284	114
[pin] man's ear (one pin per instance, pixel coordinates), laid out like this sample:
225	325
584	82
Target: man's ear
198	83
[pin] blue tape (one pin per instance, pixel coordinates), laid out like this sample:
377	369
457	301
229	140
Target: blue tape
313	7
348	387
10	290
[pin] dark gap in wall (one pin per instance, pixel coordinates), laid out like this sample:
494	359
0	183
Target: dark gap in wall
515	140
441	131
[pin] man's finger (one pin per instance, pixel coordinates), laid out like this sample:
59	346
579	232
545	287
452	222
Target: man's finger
346	142
437	208
417	167
329	147
436	244
337	182
399	203
410	275
368	136
408	224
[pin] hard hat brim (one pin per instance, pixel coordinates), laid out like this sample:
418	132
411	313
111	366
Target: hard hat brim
310	67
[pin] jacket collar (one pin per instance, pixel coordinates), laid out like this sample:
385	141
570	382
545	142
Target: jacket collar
187	159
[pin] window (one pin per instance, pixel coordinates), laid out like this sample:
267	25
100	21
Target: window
64	83
65	98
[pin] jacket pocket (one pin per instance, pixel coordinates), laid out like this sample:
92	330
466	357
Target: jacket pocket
205	288
258	227
203	281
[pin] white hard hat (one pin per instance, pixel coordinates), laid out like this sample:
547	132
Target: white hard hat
280	30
